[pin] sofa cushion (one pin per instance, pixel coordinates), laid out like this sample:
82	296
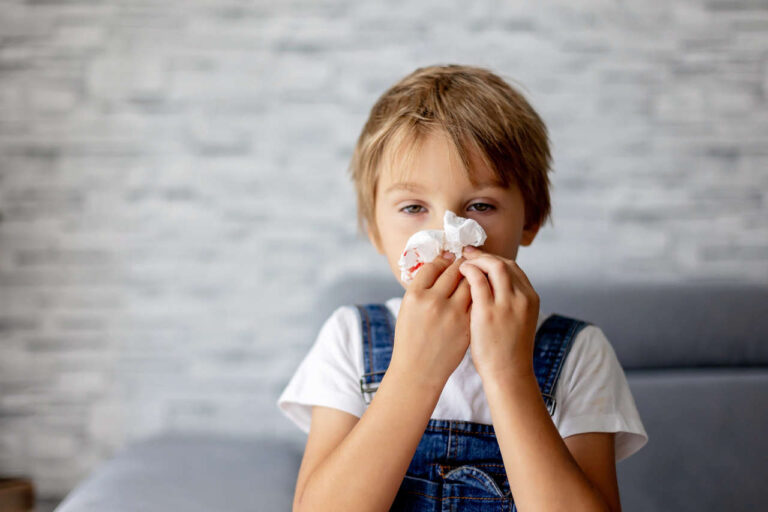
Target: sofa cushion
186	472
650	325
706	441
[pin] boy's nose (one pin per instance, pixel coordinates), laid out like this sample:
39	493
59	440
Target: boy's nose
437	221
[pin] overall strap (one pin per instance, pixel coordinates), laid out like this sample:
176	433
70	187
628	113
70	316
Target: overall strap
553	341
377	325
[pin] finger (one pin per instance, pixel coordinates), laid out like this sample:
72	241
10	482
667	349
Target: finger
426	275
470	251
479	287
499	276
446	283
518	272
463	294
520	277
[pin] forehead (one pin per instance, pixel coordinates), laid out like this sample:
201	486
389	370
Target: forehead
403	160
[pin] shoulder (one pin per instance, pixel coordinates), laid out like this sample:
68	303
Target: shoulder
590	361
560	325
342	320
329	373
594	395
348	318
589	349
340	332
343	329
587	339
348	315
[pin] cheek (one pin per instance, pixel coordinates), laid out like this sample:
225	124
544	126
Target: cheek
500	242
398	246
395	235
394	243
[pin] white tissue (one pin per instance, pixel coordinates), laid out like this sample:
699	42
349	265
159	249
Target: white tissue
424	246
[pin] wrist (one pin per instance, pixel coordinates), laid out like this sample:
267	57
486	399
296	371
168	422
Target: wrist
413	380
509	374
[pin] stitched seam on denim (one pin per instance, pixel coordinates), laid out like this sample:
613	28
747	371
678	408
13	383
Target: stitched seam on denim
365	327
442	467
457	426
467	433
370	341
495	485
554	366
541	335
558	362
501	498
565	348
376	373
552	362
448	450
484	464
562	350
456	423
443	498
417	493
359	310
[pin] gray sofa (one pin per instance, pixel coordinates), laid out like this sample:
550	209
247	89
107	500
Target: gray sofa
696	358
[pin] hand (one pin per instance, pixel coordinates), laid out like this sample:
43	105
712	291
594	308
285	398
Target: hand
432	328
503	314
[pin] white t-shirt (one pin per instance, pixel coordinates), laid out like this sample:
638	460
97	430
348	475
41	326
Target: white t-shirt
592	392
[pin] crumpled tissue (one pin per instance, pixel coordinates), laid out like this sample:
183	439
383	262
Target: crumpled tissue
424	246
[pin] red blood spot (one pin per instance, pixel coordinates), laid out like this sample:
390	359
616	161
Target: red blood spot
415	267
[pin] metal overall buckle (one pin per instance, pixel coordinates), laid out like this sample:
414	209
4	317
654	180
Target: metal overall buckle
550	402
368	390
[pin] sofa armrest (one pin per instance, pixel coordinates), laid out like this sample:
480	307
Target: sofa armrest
189	473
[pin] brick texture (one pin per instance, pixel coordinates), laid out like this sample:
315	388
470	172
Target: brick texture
174	197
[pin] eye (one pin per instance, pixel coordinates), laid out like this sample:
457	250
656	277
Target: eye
485	207
406	208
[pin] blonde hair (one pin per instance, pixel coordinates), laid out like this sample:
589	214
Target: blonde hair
481	114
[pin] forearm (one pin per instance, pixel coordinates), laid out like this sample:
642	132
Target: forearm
542	473
366	469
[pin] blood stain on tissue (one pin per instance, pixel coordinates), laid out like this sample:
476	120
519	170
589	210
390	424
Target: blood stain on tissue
415	267
418	265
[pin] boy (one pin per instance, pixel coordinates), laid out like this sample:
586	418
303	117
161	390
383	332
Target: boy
458	138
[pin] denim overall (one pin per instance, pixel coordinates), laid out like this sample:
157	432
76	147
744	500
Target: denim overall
458	464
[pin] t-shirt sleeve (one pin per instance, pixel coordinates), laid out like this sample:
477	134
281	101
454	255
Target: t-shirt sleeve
593	394
327	376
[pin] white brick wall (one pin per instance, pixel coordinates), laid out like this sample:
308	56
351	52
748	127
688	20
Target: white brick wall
173	189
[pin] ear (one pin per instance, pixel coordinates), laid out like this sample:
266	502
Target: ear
529	233
373	236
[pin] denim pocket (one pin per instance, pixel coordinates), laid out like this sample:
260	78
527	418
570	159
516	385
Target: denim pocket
417	495
475	479
470	489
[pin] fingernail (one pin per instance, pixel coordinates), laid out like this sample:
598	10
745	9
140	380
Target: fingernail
448	255
470	249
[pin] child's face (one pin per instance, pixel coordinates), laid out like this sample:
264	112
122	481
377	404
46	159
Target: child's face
439	184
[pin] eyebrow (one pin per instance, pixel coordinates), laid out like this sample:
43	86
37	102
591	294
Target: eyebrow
415	187
411	187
